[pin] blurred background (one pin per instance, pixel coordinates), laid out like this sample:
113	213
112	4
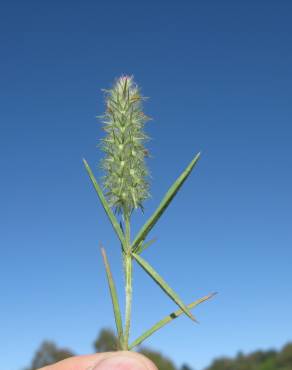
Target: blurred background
218	74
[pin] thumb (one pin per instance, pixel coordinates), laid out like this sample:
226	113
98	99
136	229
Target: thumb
124	361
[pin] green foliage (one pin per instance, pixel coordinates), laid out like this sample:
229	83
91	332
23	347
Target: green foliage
284	359
48	354
258	360
106	341
185	367
126	187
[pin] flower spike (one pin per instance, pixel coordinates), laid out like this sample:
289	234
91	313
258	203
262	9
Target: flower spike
125	179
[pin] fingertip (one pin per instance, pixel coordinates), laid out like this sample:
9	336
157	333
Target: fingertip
124	361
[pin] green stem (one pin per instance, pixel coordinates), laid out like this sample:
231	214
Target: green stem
128	282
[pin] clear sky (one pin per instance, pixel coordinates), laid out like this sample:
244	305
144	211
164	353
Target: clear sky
218	74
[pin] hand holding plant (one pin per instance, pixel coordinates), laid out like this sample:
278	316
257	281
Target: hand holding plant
126	188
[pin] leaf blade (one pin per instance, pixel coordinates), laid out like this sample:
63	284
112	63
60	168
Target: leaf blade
141	248
163	285
114	297
105	204
170	194
167	320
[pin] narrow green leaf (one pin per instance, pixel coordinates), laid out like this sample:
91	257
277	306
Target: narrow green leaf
114	297
144	246
167	320
164	203
163	285
105	204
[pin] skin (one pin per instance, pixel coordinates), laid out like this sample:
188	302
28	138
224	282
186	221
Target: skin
121	360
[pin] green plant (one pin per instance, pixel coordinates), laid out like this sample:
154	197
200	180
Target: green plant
126	187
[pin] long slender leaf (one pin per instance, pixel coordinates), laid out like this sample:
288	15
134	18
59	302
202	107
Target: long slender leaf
142	246
164	203
163	285
114	297
105	204
167	320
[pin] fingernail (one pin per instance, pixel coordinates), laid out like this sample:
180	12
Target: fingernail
121	362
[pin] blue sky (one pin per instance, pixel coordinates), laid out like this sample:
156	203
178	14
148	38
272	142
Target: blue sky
219	79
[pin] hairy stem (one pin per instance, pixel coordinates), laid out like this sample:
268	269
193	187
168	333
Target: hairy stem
128	282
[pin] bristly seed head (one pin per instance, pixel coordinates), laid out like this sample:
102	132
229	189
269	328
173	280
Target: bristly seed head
125	179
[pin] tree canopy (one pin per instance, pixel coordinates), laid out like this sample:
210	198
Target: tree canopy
258	360
107	341
49	353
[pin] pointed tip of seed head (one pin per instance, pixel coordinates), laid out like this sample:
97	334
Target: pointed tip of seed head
125	76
